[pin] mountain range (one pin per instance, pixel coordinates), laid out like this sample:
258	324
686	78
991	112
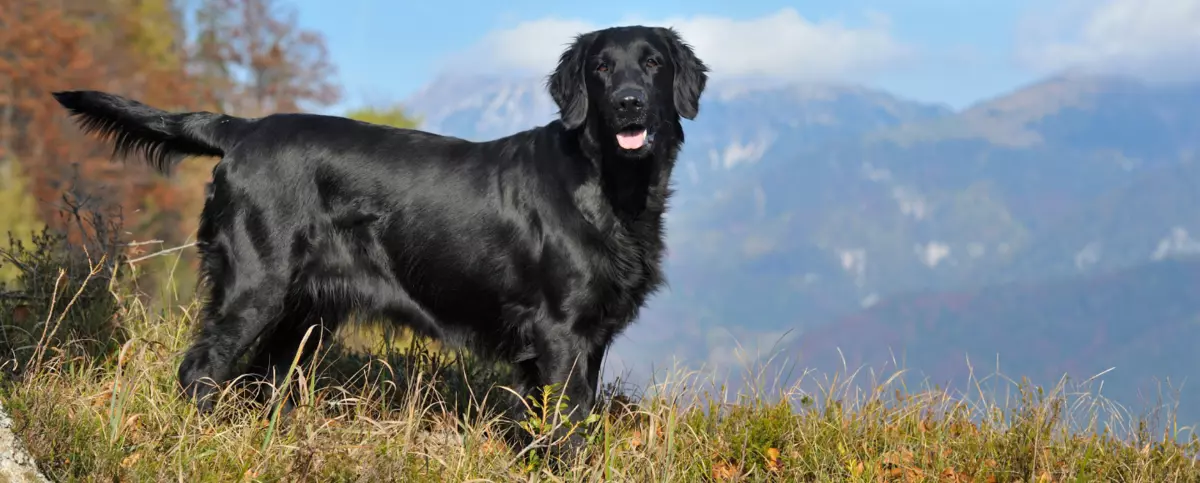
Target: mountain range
1055	225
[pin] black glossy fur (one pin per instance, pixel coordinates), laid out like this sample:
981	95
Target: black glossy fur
537	248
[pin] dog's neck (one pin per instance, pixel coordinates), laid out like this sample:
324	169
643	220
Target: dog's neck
635	188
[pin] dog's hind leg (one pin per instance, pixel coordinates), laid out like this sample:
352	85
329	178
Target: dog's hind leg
227	331
282	347
247	291
341	276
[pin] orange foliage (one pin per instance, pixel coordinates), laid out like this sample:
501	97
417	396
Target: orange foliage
113	45
284	67
49	46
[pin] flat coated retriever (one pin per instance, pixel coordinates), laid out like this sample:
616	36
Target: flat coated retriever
536	249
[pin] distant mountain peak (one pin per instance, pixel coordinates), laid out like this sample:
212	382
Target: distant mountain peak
1069	106
482	107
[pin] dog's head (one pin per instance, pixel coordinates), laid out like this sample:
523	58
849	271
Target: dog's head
631	85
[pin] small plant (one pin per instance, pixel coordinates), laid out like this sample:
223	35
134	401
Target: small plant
65	293
547	416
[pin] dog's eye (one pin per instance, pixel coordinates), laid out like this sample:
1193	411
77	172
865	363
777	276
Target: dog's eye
602	67
651	63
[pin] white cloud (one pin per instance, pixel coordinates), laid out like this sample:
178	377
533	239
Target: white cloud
1152	39
783	45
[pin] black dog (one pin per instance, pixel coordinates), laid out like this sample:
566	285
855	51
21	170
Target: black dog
537	248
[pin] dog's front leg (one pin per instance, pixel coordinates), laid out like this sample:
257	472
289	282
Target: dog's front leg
567	362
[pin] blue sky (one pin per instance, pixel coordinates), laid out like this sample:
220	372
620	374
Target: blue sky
952	51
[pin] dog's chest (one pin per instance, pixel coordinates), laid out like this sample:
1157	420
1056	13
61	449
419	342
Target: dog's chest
624	263
628	270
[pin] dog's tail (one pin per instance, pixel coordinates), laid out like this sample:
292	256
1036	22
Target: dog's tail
162	138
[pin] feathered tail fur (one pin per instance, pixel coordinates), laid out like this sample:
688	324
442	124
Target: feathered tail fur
162	138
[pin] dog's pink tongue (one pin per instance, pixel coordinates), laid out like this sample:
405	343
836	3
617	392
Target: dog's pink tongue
632	140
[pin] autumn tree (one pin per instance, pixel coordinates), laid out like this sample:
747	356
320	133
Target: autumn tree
122	46
254	59
247	57
39	47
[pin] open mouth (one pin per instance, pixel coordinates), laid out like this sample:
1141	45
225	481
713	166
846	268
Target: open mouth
633	137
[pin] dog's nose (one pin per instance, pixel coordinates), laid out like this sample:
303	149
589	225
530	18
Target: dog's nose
630	100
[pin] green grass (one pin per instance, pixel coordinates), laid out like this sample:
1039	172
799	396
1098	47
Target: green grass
414	414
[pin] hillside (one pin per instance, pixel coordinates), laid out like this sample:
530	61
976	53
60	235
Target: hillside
124	421
800	205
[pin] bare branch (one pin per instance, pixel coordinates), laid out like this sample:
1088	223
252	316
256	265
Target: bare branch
161	252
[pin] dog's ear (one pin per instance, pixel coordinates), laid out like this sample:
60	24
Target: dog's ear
567	85
691	74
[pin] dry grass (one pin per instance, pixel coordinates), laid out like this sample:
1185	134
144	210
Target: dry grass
414	415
